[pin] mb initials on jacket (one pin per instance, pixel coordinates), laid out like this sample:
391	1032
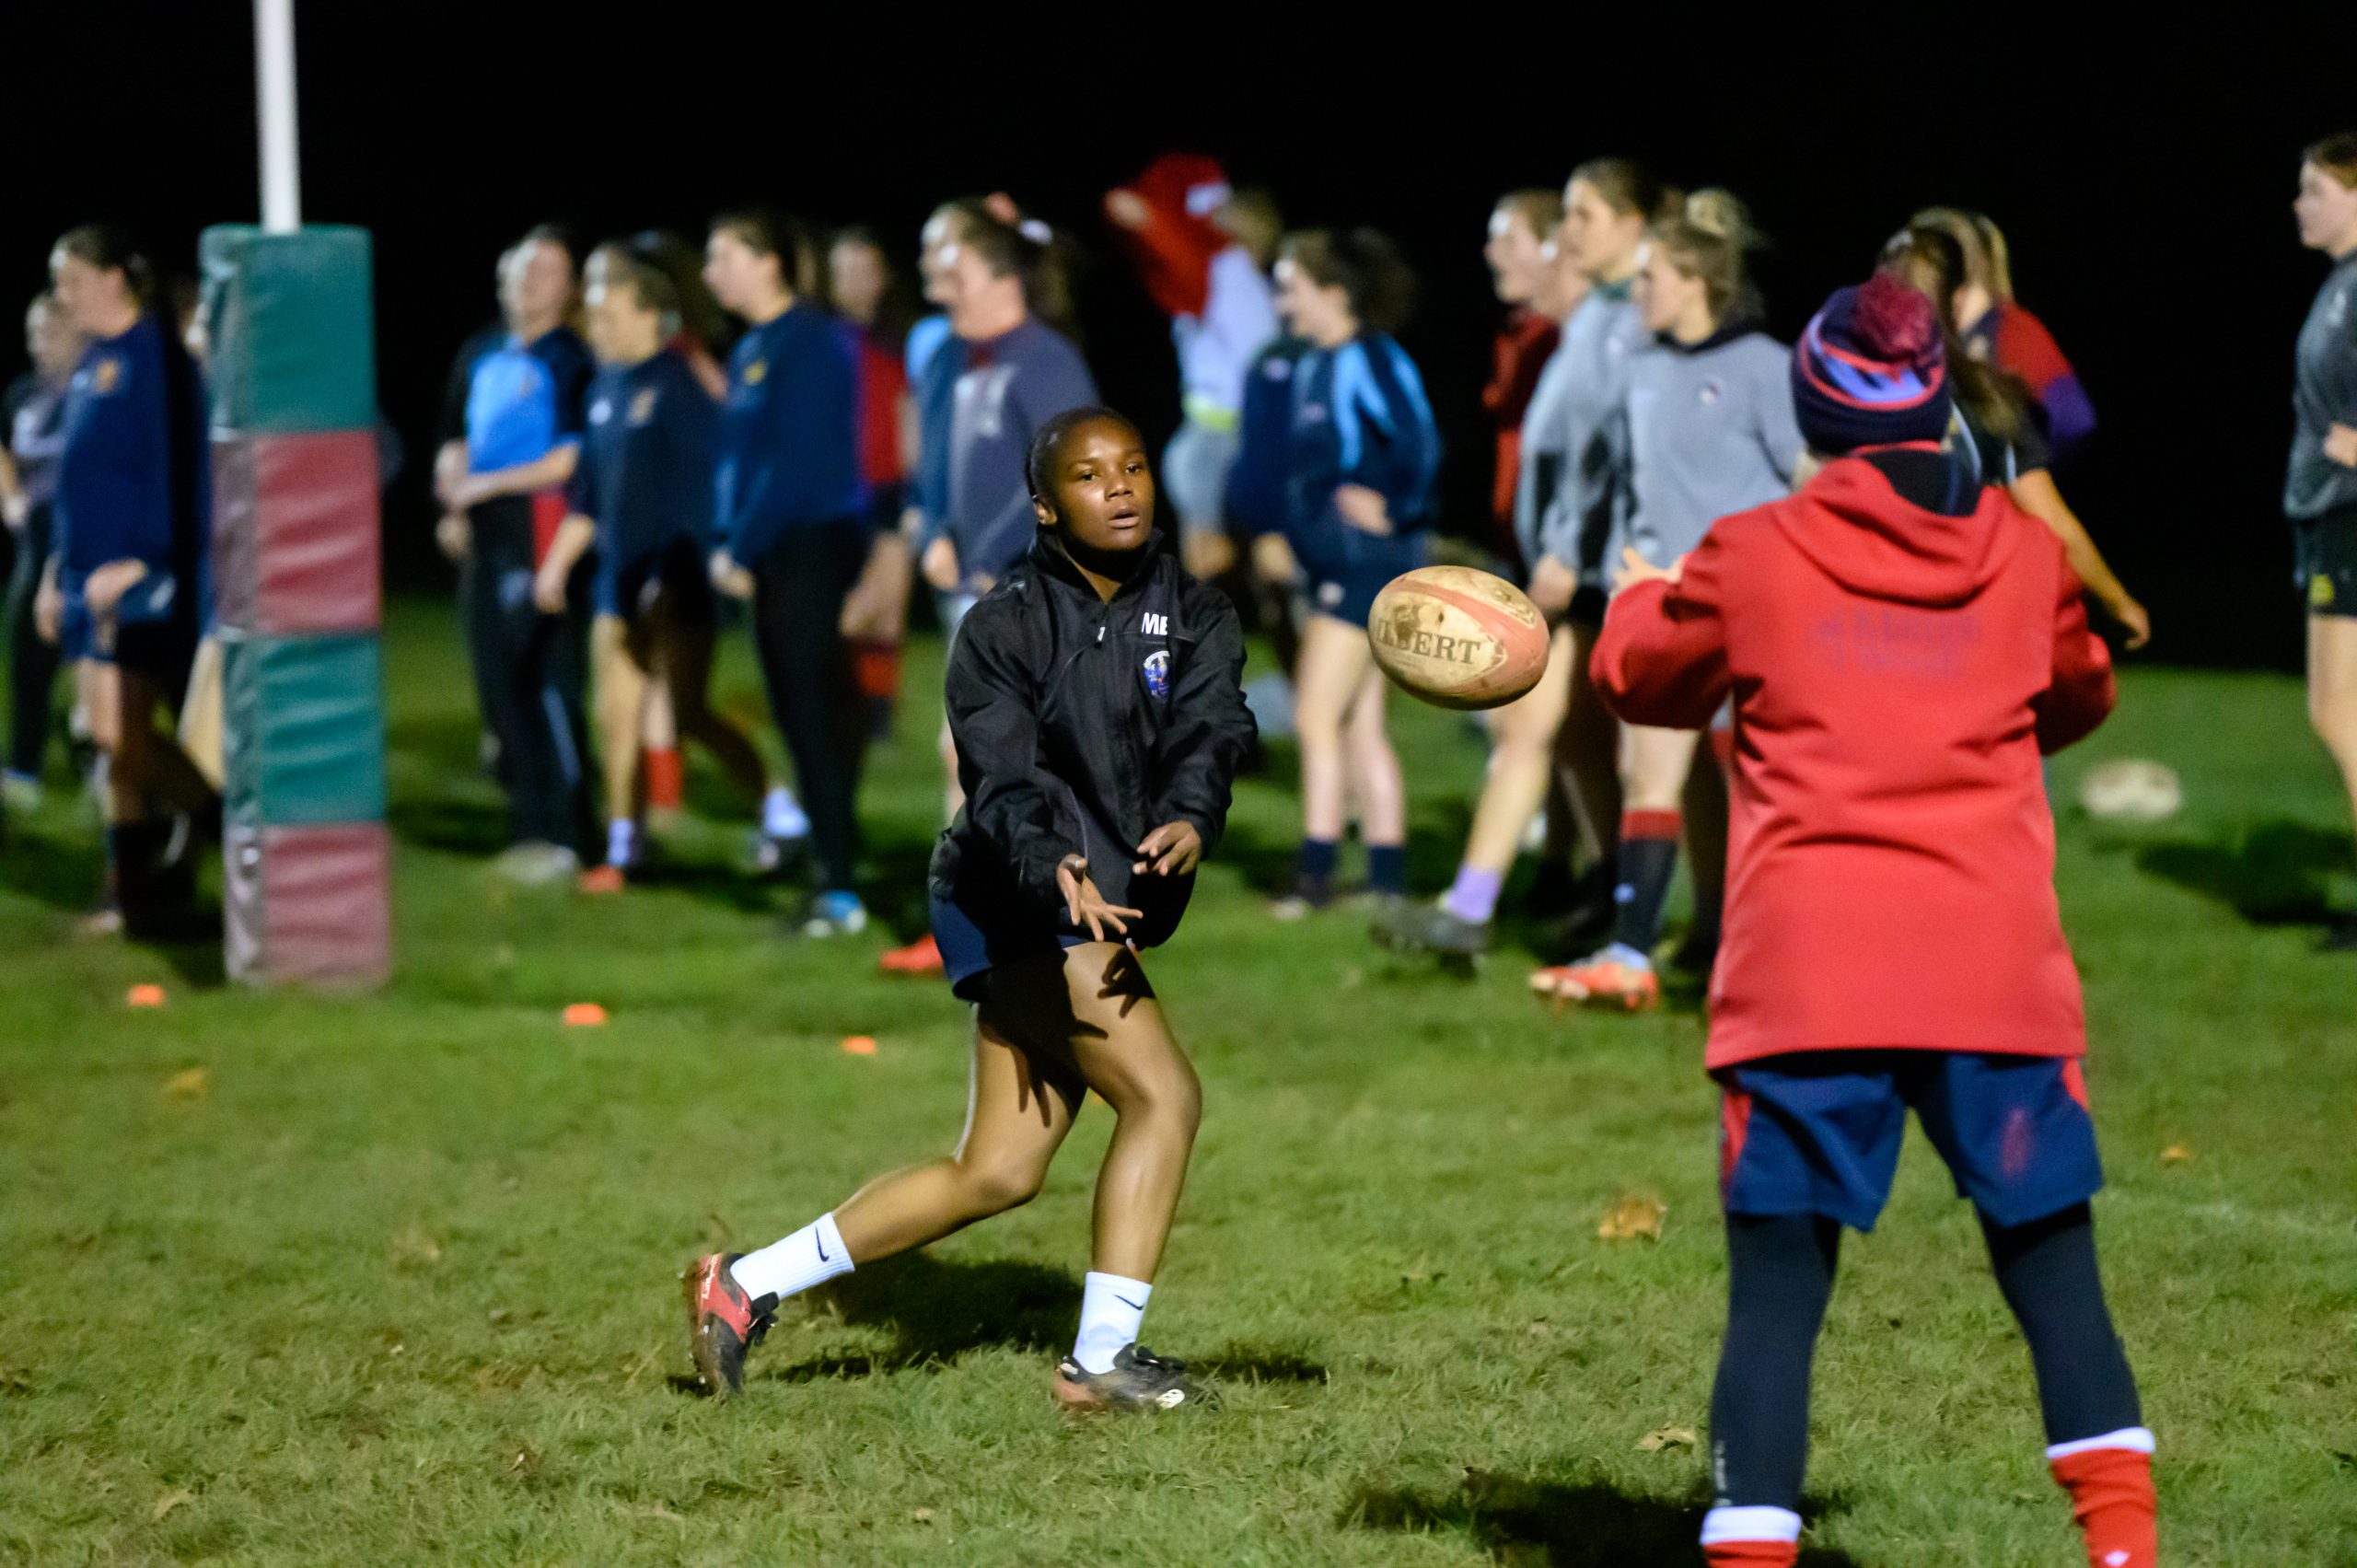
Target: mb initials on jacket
1155	626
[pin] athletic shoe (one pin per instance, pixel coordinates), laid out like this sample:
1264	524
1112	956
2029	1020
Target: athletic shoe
2341	936
1432	928
536	864
104	921
1138	1380
723	1323
603	879
920	956
834	914
1309	895
1608	980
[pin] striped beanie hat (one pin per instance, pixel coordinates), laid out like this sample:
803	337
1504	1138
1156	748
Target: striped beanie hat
1870	370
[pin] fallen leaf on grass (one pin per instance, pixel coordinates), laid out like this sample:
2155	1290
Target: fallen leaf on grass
1632	1218
922	1516
1669	1437
166	1502
193	1083
414	1249
2177	1153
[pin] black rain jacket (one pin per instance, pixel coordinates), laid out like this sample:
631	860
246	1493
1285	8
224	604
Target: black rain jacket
1082	725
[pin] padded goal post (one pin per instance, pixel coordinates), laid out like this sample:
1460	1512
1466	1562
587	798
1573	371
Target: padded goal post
298	585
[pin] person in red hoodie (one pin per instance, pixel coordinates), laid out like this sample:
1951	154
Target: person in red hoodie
1900	646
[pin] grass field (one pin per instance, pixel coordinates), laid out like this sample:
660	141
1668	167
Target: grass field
391	1279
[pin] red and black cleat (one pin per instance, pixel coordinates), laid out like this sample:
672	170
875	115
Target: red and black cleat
723	1323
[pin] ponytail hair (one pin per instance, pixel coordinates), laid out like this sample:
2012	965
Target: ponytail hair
1025	250
1365	265
109	249
1928	258
1708	238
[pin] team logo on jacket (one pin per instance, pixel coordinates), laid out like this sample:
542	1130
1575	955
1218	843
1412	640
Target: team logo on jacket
641	406
757	372
1711	392
601	411
1157	674
106	374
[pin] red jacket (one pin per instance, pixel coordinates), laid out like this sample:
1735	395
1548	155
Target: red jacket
1895	675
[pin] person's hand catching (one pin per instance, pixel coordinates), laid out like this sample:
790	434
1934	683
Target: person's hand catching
1087	905
1635	569
1172	850
2341	445
453	534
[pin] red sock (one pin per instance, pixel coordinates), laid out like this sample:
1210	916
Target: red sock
666	776
1753	1555
2111	1496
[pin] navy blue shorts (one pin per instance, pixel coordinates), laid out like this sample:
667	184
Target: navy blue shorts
1348	594
1818	1133
969	949
153	638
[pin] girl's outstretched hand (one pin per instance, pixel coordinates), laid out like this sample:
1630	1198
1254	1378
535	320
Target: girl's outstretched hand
1087	905
1172	850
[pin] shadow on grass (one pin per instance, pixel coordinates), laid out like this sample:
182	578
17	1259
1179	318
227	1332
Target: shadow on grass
1586	1524
2275	874
939	1310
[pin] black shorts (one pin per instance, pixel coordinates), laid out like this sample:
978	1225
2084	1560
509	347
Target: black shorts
2326	552
676	574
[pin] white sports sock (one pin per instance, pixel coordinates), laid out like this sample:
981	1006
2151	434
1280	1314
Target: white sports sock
810	1256
782	815
622	843
1725	1523
1110	1310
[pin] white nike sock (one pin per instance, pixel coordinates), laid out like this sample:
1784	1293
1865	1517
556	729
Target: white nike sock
810	1256
622	843
1110	1310
782	815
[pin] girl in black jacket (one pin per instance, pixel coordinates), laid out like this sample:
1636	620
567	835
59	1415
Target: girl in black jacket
1095	700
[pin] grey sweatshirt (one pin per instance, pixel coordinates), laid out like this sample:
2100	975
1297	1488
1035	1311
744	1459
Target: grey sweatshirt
2324	391
1704	431
1575	522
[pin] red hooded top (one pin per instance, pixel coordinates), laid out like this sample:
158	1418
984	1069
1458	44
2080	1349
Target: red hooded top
1895	675
1174	251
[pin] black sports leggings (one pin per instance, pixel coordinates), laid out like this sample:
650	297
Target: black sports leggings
1780	1278
32	662
798	590
529	671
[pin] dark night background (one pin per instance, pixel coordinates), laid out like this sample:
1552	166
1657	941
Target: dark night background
2143	180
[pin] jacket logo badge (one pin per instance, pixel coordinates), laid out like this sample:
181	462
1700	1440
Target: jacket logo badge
641	407
1155	626
1157	674
601	411
1711	392
106	374
757	372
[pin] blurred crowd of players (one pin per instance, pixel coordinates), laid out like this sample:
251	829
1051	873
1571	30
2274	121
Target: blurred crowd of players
655	443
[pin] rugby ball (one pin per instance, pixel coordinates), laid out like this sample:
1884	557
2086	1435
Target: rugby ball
2131	789
1457	637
